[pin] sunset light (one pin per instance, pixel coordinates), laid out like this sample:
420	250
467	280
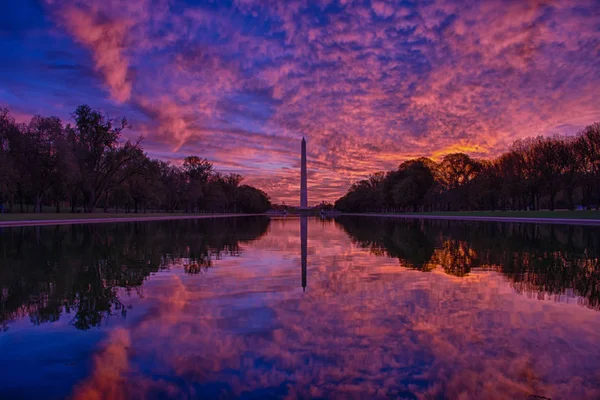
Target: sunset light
369	83
300	199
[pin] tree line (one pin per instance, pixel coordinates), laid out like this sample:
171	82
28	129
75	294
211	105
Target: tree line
88	166
536	173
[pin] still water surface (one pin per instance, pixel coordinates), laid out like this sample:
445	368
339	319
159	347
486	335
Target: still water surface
294	308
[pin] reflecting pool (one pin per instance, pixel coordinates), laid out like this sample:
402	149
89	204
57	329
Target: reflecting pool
252	307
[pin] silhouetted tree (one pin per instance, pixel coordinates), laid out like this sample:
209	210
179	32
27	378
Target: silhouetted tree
90	164
365	195
405	188
536	172
103	160
588	146
9	172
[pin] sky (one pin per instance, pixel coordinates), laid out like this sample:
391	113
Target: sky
368	83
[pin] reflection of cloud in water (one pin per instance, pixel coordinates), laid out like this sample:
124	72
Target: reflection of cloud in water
47	272
110	366
544	261
366	328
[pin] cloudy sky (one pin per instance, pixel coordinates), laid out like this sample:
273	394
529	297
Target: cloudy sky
368	83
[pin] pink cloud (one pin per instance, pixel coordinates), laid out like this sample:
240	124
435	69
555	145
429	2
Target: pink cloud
368	92
107	39
382	8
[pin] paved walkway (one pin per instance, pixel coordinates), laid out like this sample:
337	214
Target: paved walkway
567	221
41	222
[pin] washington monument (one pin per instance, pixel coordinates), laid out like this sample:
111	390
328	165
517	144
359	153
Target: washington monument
303	186
303	218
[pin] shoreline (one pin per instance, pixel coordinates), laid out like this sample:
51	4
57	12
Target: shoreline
534	220
79	221
141	218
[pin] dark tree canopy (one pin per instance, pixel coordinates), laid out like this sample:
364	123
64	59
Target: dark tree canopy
536	173
89	165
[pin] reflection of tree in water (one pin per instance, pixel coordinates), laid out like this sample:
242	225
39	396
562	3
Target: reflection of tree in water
455	257
538	259
380	236
79	268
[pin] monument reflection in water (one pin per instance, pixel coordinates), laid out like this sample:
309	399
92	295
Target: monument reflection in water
214	309
303	248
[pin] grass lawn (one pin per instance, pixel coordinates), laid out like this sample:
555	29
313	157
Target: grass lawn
564	214
67	216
